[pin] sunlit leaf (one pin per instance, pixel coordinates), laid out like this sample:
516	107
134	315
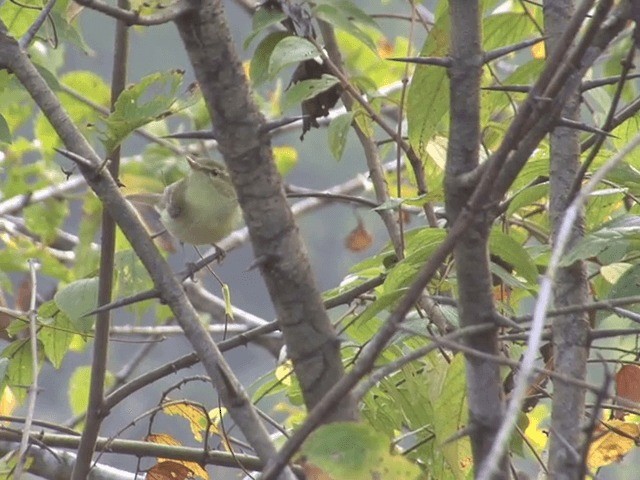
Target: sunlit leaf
196	416
169	470
613	443
153	98
452	416
286	158
428	95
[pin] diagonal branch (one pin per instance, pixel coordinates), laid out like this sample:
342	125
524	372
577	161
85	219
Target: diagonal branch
233	395
164	15
280	254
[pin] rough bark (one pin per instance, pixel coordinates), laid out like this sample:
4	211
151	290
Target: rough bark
484	389
570	332
311	341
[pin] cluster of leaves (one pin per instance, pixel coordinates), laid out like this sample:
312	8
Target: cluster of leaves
424	399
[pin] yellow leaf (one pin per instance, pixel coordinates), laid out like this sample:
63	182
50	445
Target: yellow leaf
612	272
611	446
536	435
216	414
538	51
284	371
196	416
385	48
7	402
228	307
286	157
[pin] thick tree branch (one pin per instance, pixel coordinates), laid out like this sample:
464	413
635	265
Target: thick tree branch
310	338
471	253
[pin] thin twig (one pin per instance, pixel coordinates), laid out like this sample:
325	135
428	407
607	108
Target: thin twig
129	17
33	388
26	39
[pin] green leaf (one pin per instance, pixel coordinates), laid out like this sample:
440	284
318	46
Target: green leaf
306	89
391	204
428	95
337	132
45	218
288	51
131	277
228	307
263	19
337	18
4	365
85	84
20	369
506	28
69	34
627	286
79	388
527	197
259	66
421	243
381	303
55	335
286	157
451	406
353	451
77	299
153	98
5	132
349	11
612	242
505	247
49	77
267	386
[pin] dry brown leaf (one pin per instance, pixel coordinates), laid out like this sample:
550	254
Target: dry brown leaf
169	471
359	238
166	439
196	416
628	385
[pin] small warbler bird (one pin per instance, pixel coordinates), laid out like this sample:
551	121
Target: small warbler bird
202	208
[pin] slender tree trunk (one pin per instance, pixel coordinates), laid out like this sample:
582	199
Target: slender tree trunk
570	332
471	253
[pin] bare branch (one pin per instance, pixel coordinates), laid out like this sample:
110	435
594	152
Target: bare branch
165	15
501	52
436	61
